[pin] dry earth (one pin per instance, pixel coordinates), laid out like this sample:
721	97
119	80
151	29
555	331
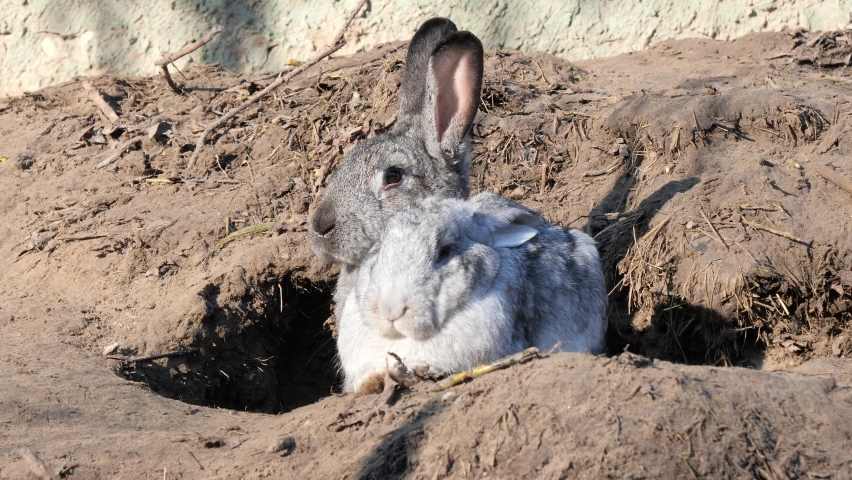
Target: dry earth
702	168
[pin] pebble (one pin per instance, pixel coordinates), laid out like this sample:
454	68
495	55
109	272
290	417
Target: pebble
110	349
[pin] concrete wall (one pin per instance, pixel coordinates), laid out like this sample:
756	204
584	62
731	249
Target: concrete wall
43	42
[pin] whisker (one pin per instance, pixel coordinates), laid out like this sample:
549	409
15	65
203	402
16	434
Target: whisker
317	351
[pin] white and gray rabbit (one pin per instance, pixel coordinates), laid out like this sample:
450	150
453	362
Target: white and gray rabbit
453	284
425	153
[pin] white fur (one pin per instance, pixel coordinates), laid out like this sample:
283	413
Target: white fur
364	350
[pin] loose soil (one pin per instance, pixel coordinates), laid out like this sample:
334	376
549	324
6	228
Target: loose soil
700	167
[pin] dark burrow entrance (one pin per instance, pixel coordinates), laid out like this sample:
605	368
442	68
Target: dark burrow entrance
269	347
271	350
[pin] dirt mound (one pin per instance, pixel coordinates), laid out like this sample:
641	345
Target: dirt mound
702	168
571	416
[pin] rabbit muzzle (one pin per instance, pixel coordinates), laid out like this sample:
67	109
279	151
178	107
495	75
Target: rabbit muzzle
344	227
391	313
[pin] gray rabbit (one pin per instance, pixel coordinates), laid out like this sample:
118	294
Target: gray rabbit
453	284
426	152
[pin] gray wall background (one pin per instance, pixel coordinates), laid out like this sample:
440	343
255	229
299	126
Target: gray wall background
43	42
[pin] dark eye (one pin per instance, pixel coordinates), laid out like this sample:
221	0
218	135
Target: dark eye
393	177
445	252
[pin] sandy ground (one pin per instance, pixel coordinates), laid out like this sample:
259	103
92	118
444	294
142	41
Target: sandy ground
707	171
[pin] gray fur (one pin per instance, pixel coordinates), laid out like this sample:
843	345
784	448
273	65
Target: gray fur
509	281
351	215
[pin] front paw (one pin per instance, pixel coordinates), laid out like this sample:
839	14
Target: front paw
370	384
365	380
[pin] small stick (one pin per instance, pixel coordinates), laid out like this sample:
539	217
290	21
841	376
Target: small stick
752	207
675	140
834	178
179	353
164	62
37	467
715	232
786	235
654	231
96	97
520	357
118	152
565	194
229	181
251	229
695	119
81	238
768	131
609	169
336	45
783	305
400	374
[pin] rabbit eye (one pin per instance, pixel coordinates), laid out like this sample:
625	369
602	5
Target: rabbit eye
393	177
444	252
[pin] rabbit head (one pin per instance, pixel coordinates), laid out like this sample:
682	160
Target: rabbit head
425	153
432	260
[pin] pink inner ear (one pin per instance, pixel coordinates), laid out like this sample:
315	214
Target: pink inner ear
454	87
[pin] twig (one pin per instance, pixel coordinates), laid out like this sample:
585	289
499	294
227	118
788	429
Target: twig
695	119
37	467
786	235
81	238
164	62
834	178
715	232
118	152
768	131
654	231
95	96
251	229
336	45
617	421
400	374
179	353
609	169
520	357
758	207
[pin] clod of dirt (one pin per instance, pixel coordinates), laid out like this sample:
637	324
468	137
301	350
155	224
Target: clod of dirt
24	161
282	444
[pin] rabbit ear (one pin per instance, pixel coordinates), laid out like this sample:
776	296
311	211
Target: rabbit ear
509	227
504	210
512	235
428	36
452	96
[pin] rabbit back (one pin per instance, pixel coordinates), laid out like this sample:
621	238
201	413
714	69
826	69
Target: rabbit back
561	292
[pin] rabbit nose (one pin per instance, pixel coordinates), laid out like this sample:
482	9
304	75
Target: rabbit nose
323	221
392	310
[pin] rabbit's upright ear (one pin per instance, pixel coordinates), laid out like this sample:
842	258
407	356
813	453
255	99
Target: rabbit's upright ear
452	94
441	88
414	84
